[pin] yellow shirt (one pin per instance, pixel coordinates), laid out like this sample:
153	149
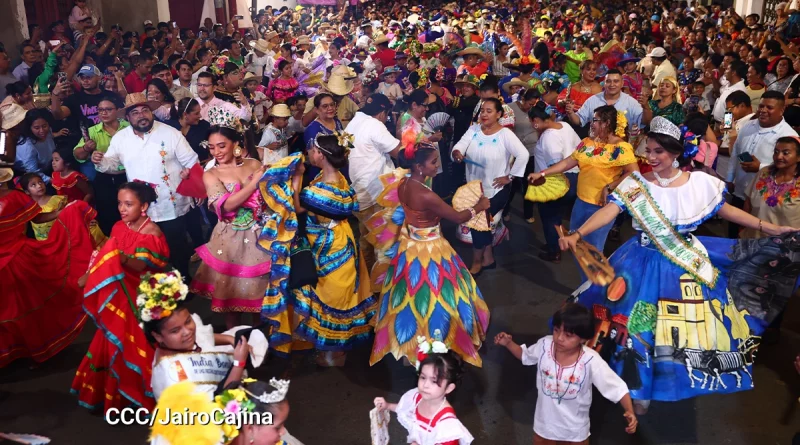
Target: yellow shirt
600	164
40	231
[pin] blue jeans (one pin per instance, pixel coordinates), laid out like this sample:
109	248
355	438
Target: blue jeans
581	212
552	213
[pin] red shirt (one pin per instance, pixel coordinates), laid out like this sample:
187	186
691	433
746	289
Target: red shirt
68	185
386	56
135	84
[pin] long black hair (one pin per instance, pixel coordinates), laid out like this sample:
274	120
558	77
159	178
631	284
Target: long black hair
163	88
30	117
329	146
247	143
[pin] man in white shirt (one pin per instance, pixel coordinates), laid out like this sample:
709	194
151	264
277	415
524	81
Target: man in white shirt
185	76
159	155
365	39
754	147
735	74
664	67
28	59
207	100
374	146
260	62
739	104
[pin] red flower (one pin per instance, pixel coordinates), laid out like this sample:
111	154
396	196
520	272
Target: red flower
153	282
164	298
421	356
597	151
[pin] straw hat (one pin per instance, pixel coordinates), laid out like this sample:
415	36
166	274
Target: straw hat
303	40
270	35
6	174
344	71
134	100
248	77
472	50
514	83
380	39
260	45
13	115
280	110
338	85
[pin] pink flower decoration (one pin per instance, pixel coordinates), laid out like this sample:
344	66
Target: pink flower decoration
233	407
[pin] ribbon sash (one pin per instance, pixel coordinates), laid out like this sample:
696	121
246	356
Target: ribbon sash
690	256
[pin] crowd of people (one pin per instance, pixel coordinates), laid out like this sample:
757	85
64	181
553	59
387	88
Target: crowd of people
295	174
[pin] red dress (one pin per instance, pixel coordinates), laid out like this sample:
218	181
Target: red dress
67	185
41	310
116	371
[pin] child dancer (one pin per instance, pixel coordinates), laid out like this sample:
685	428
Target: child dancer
67	180
566	372
424	410
34	186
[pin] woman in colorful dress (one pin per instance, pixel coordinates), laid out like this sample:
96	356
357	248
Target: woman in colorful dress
115	373
413	122
584	88
424	285
41	312
284	85
668	105
774	196
632	79
334	315
488	149
604	160
687	311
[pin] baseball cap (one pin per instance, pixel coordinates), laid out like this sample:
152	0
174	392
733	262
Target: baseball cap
375	104
658	52
89	70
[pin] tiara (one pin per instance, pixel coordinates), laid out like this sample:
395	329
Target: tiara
662	125
224	118
343	138
281	388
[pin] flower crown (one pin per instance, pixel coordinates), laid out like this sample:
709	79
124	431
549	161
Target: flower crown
234	402
343	138
423	78
622	124
224	118
426	347
218	67
159	295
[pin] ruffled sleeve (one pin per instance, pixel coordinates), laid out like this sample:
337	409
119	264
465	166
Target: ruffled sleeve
334	201
16	209
406	408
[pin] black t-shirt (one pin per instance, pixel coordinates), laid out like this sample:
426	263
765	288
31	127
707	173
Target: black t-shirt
83	106
195	137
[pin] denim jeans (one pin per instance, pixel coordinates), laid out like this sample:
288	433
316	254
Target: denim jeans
581	212
552	213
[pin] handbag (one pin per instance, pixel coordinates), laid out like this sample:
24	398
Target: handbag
303	266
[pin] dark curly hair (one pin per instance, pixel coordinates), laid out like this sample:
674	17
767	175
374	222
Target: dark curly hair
144	193
420	155
156	325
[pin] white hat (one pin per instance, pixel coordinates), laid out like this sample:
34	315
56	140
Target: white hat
658	52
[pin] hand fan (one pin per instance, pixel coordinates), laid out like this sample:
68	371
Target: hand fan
438	120
466	197
593	263
379	426
193	186
30	439
548	188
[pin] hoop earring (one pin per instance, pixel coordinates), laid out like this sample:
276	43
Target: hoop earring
675	163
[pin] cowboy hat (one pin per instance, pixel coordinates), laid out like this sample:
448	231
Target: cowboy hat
514	83
249	77
628	57
134	100
6	174
12	114
468	79
270	35
280	110
380	39
260	45
338	85
344	71
472	50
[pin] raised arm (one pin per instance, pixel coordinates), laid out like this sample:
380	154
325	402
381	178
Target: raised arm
740	217
601	218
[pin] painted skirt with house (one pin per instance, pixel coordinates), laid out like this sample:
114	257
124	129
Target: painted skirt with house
684	315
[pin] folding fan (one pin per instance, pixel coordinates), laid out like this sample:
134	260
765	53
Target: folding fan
593	263
548	188
465	198
438	120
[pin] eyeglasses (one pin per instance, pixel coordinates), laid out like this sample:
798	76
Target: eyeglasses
106	110
325	106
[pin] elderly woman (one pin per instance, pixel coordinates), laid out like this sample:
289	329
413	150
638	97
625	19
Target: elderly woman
668	105
780	76
489	147
605	159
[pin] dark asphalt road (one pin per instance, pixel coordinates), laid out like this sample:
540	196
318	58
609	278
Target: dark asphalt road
496	403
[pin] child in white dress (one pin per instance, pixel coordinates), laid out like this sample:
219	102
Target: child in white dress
567	369
424	410
389	87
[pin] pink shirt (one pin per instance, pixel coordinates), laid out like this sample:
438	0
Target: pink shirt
707	153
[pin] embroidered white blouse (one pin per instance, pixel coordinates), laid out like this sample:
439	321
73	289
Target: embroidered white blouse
494	153
443	429
156	158
686	206
565	393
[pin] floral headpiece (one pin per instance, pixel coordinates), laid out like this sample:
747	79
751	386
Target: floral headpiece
426	347
235	402
159	295
218	67
343	138
690	143
622	124
423	78
431	47
525	60
224	118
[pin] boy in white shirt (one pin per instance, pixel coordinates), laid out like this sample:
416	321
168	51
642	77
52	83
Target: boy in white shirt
567	369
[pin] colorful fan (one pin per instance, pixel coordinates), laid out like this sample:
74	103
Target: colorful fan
548	189
593	263
453	39
30	439
438	120
466	197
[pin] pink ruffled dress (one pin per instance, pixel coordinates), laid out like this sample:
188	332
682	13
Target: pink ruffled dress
234	271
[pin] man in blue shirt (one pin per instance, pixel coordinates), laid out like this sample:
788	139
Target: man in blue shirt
612	95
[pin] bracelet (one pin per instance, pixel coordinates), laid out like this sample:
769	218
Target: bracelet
760	224
576	232
472	212
543	173
238	364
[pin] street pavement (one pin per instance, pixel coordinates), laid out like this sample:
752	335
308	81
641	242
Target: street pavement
496	403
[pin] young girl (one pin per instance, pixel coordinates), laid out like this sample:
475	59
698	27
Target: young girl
567	369
67	180
34	186
388	87
284	86
424	410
